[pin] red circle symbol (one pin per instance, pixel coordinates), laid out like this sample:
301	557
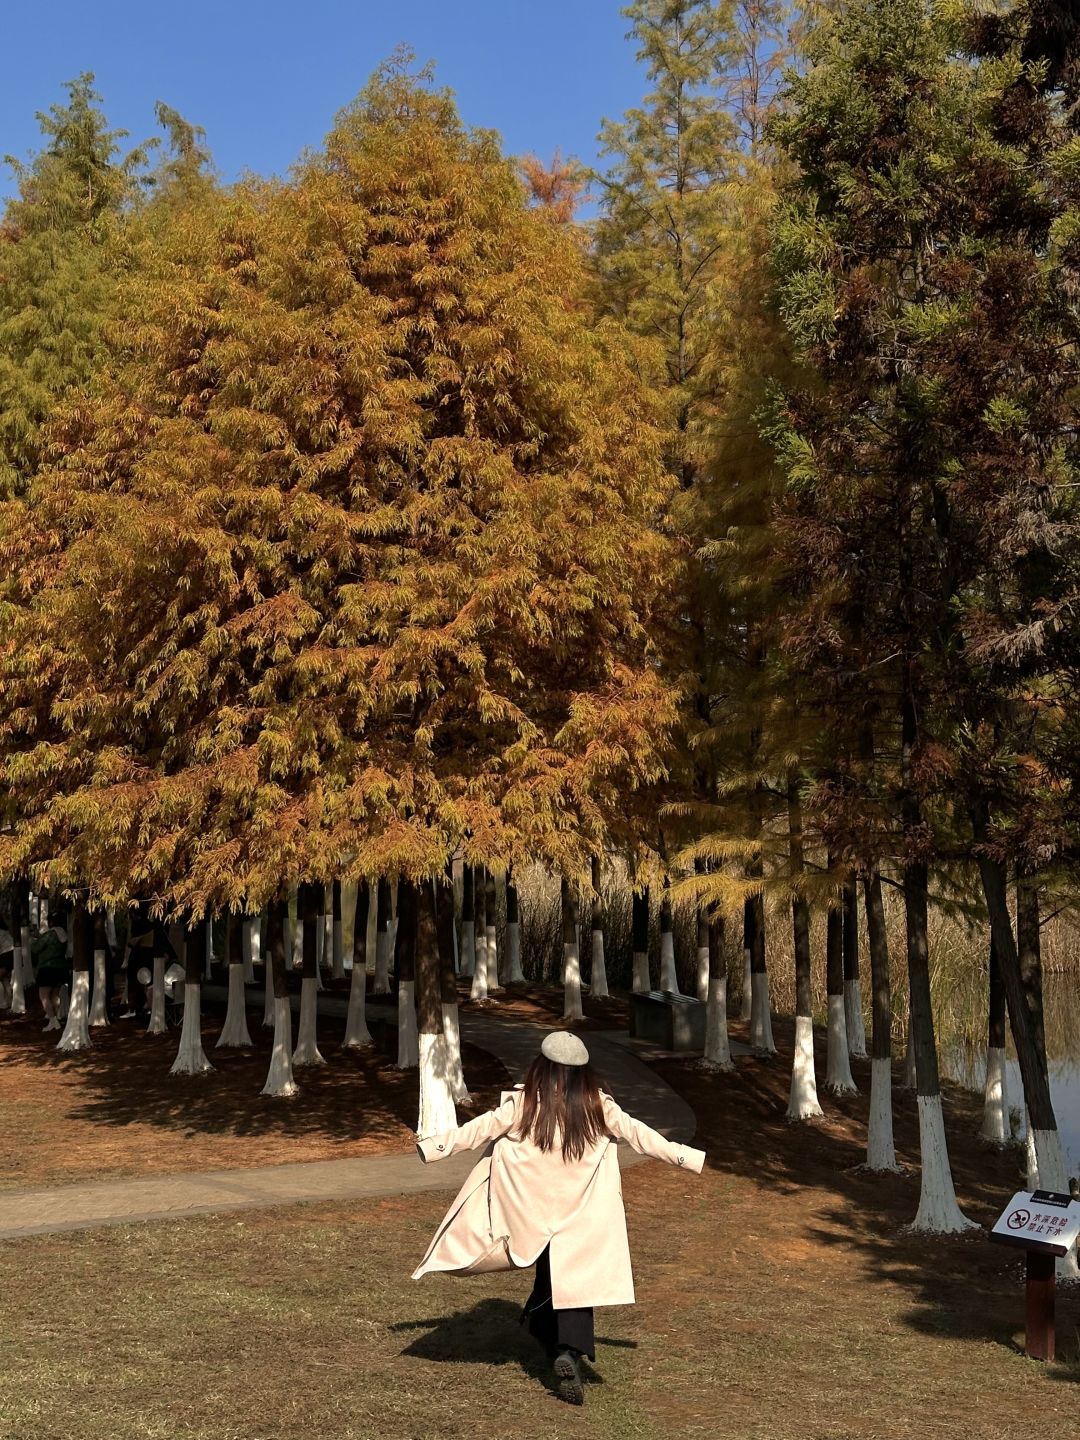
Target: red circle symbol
1018	1219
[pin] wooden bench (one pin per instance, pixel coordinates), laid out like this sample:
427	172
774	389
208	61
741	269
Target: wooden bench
674	1022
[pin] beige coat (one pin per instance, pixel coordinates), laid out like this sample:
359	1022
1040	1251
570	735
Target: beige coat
535	1198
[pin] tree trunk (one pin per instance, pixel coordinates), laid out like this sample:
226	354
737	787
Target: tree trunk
880	1148
381	985
279	1080
310	907
669	979
749	921
468	921
598	972
490	911
99	1005
761	1036
234	1033
444	925
357	1034
997	1124
20	958
337	939
717	1054
437	1112
803	1103
938	1210
76	1034
191	1057
158	1024
853	1015
479	988
571	971
515	974
247	946
838	1079
639	922
405	964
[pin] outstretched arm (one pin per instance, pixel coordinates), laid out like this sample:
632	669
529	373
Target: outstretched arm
647	1141
469	1136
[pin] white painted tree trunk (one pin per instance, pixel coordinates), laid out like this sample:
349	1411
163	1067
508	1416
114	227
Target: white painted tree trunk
157	1025
296	949
408	1050
669	980
382	962
703	973
747	989
761	1036
491	949
996	1123
880	1149
853	1020
437	1111
191	1057
1053	1175
452	1032
99	1014
479	988
598	978
641	981
357	1034
18	988
717	1054
803	1101
838	1078
269	1014
234	1033
76	1034
938	1211
256	941
515	975
571	982
468	947
307	1048
279	1080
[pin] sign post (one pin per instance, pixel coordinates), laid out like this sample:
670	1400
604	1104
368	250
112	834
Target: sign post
1045	1225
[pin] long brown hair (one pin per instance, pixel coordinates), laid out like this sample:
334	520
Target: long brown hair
562	1100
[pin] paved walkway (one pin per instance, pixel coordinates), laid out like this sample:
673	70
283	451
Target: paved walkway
171	1197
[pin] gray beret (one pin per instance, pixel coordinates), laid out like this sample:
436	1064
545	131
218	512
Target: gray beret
564	1048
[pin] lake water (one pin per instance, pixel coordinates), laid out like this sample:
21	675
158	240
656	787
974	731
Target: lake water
966	1064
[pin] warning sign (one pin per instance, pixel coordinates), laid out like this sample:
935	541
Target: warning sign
1039	1220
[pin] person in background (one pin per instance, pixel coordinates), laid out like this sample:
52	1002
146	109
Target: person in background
52	967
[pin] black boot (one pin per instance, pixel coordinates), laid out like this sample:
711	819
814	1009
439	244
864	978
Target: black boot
569	1377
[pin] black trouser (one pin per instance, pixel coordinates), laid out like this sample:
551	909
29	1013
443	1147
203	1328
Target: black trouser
557	1329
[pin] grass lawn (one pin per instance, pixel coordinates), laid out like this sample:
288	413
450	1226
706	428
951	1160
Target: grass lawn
778	1299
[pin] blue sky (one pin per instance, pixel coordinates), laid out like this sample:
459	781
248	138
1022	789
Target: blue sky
265	77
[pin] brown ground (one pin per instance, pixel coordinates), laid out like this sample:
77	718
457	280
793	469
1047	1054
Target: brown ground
116	1110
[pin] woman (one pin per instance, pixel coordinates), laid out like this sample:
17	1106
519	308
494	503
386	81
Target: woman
550	1195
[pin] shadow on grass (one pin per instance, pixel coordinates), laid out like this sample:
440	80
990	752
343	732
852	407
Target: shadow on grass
490	1333
124	1079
